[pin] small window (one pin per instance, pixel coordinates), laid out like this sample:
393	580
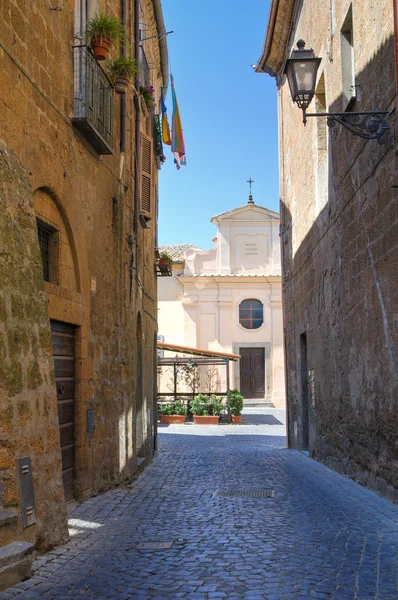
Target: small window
49	250
251	314
347	62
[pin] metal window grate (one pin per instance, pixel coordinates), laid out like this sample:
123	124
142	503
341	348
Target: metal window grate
245	493
93	100
154	545
49	242
145	78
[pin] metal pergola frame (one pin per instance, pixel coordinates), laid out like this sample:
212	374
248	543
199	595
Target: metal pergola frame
200	358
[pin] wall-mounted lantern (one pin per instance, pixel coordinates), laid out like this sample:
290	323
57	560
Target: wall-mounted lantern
301	71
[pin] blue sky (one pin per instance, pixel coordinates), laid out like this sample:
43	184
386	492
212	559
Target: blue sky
228	115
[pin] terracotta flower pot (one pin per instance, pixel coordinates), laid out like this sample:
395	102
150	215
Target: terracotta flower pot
206	420
237	419
172	419
121	85
164	262
100	47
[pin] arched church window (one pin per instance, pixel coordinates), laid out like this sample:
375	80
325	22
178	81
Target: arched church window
251	313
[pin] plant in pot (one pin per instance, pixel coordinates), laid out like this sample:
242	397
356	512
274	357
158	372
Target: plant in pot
206	409
101	31
148	96
165	260
172	413
121	70
236	405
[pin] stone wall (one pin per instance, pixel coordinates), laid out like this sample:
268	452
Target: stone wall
28	405
340	253
113	279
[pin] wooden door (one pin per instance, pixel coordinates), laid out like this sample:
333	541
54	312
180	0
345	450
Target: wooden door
252	372
63	339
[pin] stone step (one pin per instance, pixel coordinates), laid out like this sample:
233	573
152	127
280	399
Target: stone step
15	563
253	402
8	524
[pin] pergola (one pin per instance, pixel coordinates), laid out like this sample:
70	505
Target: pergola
198	357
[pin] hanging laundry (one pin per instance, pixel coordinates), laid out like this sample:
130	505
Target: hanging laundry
165	123
177	145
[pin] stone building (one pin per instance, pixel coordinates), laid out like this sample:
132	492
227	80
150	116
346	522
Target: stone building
228	299
78	292
339	218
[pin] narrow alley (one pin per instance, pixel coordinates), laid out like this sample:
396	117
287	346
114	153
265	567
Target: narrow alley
197	524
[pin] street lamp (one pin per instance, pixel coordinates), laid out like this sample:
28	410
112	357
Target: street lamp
301	71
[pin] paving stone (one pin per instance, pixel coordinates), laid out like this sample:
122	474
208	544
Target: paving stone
322	536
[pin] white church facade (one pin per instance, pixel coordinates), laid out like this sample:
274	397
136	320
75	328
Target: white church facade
229	299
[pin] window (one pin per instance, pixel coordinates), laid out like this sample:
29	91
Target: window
251	314
146	176
347	62
49	250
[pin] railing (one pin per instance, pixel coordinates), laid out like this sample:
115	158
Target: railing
144	74
93	101
160	158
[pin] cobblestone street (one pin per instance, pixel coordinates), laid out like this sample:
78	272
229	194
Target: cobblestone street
321	536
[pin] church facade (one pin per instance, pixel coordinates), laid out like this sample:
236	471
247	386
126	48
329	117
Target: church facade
229	299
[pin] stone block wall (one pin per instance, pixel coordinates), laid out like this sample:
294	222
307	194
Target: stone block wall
113	282
340	253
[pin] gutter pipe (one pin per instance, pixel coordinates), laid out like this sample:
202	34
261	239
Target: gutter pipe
395	3
137	157
164	57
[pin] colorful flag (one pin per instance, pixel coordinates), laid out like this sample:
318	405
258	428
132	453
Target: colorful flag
177	137
165	123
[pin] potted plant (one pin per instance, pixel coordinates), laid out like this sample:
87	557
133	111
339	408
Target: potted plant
148	96
206	409
101	31
236	405
165	260
172	413
121	70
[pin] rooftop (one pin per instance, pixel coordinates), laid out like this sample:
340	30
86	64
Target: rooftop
176	253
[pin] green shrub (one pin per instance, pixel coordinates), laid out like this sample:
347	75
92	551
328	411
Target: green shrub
174	408
122	67
236	402
205	405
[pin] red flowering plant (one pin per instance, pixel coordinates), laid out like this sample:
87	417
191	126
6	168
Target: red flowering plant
148	93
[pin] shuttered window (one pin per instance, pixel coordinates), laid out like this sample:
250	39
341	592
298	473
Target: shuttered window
146	173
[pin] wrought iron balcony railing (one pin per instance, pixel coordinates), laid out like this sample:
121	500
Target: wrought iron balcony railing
93	101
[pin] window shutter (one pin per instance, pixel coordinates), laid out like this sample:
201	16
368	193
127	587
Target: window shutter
146	176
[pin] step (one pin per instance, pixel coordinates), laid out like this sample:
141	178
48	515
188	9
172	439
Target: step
8	525
253	402
15	563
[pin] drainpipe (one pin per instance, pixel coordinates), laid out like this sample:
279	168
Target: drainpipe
137	158
123	96
395	2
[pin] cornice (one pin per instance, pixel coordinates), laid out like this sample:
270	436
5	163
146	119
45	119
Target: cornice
273	55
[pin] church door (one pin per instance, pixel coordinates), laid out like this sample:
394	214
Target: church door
252	372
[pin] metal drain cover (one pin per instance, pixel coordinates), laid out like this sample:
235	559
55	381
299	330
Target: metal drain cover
245	493
154	545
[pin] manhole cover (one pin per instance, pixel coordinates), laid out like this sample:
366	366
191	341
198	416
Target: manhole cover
153	545
245	493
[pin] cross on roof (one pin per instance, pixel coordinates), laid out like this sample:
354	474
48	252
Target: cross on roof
250	181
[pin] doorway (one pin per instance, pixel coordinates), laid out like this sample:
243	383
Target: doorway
252	372
304	390
63	342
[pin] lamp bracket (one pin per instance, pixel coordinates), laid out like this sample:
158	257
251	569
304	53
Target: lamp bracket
369	125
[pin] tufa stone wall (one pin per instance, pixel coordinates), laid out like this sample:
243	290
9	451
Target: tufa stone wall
92	196
28	406
340	254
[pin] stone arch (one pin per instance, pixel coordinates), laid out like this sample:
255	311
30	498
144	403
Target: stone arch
53	224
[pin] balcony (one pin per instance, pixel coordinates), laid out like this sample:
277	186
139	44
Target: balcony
144	75
93	101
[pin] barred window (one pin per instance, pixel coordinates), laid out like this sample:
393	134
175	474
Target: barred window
251	314
49	250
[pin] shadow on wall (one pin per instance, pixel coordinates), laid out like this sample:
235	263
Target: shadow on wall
340	294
